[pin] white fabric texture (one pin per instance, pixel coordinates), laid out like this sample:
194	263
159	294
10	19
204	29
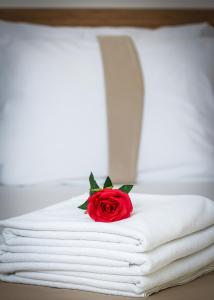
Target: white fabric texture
177	141
52	98
142	263
182	270
167	239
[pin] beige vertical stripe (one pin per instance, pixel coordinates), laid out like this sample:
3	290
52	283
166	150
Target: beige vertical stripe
124	93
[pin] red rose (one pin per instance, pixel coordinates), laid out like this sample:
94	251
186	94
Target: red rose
109	205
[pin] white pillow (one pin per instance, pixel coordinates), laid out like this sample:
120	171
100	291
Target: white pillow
52	97
178	125
53	120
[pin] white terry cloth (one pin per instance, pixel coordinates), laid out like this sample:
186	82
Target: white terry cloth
175	273
146	262
156	219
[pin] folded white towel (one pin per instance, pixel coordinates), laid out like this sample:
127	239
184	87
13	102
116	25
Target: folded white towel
155	220
180	271
166	240
145	262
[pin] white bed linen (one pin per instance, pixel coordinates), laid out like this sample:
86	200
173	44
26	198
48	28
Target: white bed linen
180	271
156	219
39	270
105	254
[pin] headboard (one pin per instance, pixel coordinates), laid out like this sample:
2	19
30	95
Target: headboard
150	18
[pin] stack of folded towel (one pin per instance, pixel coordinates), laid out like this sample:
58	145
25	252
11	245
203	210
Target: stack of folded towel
168	240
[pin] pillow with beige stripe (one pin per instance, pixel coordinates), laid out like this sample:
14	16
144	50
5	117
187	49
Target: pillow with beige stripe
53	124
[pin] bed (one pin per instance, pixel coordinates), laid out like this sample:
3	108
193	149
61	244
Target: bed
37	196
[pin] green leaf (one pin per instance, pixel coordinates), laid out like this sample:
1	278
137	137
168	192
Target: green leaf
94	187
108	183
126	188
93	184
84	205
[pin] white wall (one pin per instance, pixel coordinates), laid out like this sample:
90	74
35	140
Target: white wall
110	3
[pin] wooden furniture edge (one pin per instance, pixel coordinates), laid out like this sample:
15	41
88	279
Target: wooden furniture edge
150	18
